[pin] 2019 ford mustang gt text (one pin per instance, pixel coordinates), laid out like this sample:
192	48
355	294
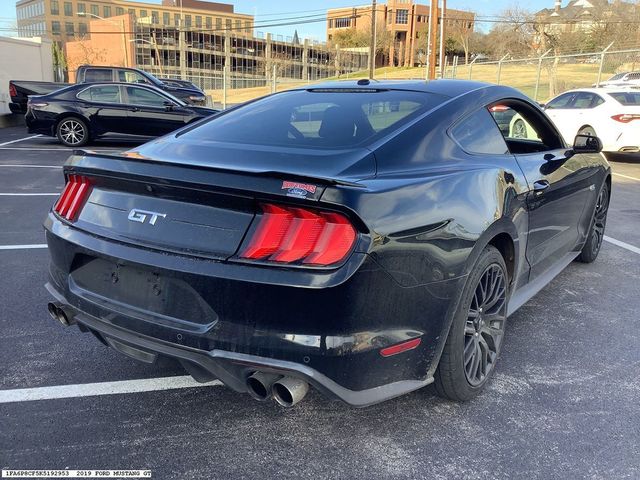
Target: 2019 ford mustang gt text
364	238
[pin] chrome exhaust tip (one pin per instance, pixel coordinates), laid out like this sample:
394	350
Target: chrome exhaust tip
288	391
57	312
259	385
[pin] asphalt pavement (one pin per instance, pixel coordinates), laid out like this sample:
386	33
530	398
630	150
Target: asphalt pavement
562	405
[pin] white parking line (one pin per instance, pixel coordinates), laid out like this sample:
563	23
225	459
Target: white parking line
624	245
14	165
103	388
29	194
23	247
627	176
19	140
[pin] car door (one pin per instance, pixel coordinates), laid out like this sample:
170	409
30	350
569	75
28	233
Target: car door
103	106
561	185
152	113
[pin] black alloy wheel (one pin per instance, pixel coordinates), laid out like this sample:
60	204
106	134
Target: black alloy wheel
484	329
477	331
592	246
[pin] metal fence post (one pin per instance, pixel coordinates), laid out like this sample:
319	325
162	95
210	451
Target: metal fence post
224	86
471	66
273	78
535	95
602	63
500	68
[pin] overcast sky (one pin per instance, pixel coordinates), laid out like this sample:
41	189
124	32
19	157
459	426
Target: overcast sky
268	12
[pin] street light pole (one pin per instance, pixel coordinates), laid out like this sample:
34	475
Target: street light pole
372	47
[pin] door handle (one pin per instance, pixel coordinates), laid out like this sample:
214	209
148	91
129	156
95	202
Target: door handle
540	186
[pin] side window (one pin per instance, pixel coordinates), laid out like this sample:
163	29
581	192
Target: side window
585	100
528	130
142	96
479	134
562	101
130	77
102	94
92	75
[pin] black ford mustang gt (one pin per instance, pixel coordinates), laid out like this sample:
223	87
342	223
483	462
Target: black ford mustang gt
85	111
364	238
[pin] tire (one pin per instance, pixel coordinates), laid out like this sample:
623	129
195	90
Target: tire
475	338
519	129
72	132
587	130
592	246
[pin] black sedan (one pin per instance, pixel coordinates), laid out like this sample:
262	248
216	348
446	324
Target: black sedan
82	112
363	238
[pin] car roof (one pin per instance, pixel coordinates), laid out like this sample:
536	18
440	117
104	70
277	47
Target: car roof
445	87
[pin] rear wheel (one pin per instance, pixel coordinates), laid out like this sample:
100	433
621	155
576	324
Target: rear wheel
587	130
72	132
475	338
591	248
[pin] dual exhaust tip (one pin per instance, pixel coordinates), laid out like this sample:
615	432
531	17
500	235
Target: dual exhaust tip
287	391
58	312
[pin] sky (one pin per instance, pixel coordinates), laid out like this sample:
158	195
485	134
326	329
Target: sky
267	12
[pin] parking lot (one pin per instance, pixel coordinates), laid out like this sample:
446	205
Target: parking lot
563	403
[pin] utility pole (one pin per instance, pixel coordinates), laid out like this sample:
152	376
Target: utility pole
372	47
431	42
442	37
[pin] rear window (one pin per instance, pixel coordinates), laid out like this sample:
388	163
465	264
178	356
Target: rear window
328	118
92	75
627	98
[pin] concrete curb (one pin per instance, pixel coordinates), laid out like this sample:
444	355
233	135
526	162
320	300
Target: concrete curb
11	120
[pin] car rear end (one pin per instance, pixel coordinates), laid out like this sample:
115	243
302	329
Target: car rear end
41	115
245	260
623	124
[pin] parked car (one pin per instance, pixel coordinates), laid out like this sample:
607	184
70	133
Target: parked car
80	113
612	114
21	90
622	80
175	82
364	238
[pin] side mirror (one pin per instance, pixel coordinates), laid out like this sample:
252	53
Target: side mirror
168	105
587	144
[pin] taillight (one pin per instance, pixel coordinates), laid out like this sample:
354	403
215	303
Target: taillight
626	117
12	90
73	197
289	234
498	108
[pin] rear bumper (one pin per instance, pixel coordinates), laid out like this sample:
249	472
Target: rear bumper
231	368
226	321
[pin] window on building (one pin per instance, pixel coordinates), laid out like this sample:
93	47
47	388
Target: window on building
132	12
143	14
55	7
55	28
330	23
95	10
166	18
218	23
68	9
82	9
187	21
176	19
198	21
119	11
344	22
82	28
69	30
155	17
106	12
238	26
227	23
247	26
402	16
209	23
